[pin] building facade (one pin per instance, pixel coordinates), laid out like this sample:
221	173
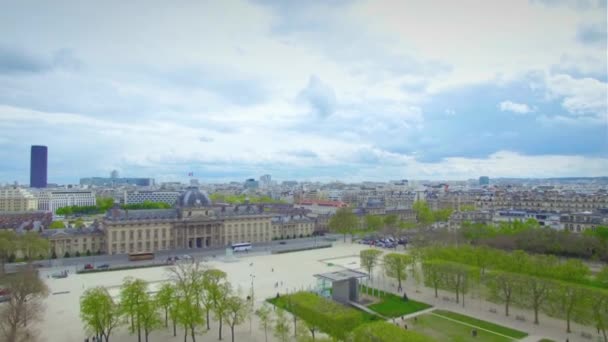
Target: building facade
104	181
38	166
17	199
84	241
51	200
194	223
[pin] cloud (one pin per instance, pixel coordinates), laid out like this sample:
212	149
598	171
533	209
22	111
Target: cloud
319	96
594	34
581	97
517	108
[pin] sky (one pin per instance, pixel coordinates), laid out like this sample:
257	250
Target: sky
304	90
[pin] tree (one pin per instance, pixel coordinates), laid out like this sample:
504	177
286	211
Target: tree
79	223
424	215
57	225
212	280
385	332
221	299
502	287
395	266
565	300
264	313
8	246
369	259
24	304
236	312
602	277
32	245
343	222
442	215
189	314
104	203
99	313
148	315
390	220
432	275
373	222
164	297
133	296
281	326
534	292
187	310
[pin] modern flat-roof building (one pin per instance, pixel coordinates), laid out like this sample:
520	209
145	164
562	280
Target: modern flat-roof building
51	200
38	166
138	197
104	181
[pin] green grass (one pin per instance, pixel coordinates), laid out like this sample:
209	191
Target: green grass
281	302
545	340
392	305
516	334
443	329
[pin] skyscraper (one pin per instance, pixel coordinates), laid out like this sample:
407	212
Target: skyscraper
484	180
38	165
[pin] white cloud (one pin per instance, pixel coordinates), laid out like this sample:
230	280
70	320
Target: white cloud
517	108
581	97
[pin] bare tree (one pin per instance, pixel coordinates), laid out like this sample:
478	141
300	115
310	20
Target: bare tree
25	306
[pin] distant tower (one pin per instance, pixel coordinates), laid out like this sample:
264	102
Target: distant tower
114	174
484	180
38	166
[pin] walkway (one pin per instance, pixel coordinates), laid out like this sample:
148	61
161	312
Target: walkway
366	309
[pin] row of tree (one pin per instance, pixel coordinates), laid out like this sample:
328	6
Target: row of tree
103	204
562	289
241	199
395	265
30	246
533	238
188	301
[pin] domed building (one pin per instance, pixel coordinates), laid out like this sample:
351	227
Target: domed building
193	198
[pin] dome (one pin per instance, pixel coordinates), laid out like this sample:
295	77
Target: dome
193	197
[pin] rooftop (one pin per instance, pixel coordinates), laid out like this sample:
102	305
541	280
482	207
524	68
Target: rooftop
341	275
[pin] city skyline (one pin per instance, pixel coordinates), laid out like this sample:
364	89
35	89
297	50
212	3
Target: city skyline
348	90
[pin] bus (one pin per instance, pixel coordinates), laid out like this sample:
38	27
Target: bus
241	247
141	256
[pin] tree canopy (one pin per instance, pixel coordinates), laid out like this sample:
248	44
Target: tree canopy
344	221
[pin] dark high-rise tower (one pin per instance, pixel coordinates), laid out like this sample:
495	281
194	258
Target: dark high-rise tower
38	167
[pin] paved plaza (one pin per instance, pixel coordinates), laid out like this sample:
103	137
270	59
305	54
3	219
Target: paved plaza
292	271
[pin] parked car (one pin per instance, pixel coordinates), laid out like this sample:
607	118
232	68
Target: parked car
104	266
186	257
4	295
88	267
283	243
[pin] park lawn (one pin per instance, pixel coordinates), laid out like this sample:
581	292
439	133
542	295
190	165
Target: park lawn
516	334
443	329
281	302
392	305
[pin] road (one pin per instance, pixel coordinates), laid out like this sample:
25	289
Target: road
161	256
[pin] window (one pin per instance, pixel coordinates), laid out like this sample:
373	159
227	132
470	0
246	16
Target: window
122	235
147	233
156	233
114	235
131	235
139	234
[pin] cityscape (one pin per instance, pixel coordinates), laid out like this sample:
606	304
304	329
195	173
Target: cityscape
345	171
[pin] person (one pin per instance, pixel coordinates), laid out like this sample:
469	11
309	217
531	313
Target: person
474	332
405	326
273	269
415	318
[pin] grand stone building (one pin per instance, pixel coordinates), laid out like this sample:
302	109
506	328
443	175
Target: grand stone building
193	223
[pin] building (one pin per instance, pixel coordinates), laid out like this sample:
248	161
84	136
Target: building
292	226
38	166
194	223
17	199
51	200
103	181
251	184
321	207
484	180
139	197
265	181
75	241
579	222
114	174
